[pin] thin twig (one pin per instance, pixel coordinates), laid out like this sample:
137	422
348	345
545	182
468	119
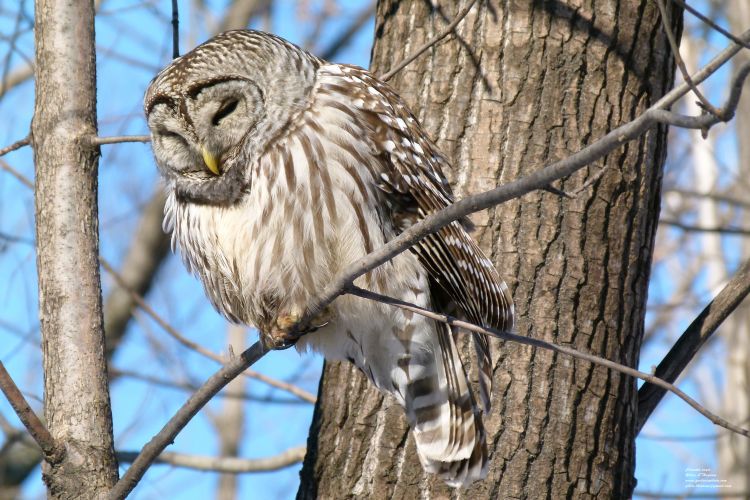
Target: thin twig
713	25
226	465
698	229
186	386
16	145
346	36
720	197
290	388
694	337
18	175
175	30
667	23
444	318
163	438
52	452
591	180
98	141
447	31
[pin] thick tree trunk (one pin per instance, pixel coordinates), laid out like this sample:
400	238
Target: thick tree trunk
526	84
77	407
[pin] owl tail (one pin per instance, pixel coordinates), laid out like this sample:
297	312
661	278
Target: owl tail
441	409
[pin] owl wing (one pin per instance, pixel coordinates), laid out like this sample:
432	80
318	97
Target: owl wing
415	187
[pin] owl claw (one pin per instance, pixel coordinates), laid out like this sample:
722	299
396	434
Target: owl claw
284	333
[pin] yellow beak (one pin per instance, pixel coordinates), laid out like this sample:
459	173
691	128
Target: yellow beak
211	161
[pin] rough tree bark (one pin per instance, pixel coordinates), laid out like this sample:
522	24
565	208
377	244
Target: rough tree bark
557	75
76	398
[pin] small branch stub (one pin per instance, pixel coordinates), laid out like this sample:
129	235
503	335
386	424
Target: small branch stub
52	452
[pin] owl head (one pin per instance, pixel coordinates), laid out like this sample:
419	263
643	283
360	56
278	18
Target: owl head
213	111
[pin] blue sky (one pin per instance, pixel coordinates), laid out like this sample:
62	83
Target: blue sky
136	30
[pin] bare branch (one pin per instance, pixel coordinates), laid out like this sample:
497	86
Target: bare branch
16	145
444	318
166	436
723	198
175	30
18	175
698	229
98	141
447	31
16	78
738	40
186	386
346	36
667	23
52	451
690	342
226	465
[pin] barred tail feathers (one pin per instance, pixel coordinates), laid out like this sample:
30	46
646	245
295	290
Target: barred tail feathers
447	427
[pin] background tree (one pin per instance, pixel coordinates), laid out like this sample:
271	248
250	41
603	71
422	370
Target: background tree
76	396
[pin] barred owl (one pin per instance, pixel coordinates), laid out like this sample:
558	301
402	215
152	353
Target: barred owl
282	169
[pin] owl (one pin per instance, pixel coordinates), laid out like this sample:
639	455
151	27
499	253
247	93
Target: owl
281	170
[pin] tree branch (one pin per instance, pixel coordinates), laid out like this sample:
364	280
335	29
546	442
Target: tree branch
346	36
447	31
688	227
166	436
98	141
16	145
190	387
690	342
15	173
175	30
667	23
444	318
738	40
53	453
226	465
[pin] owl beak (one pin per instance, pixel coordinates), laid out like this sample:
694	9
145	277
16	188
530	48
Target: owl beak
211	161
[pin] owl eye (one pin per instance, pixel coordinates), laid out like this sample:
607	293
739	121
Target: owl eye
225	110
168	134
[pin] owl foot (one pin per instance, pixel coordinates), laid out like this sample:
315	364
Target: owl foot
284	331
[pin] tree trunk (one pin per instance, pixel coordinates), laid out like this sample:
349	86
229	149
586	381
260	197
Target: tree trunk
76	398
527	83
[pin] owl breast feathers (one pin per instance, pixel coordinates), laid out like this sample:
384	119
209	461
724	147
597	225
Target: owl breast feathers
282	170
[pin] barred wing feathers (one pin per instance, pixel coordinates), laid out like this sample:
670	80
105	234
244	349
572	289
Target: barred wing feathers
416	187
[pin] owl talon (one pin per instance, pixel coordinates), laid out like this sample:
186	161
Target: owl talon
283	333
